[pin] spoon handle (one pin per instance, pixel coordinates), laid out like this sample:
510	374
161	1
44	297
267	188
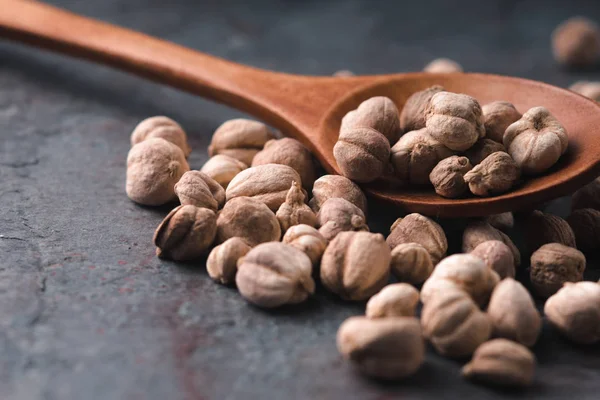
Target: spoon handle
255	91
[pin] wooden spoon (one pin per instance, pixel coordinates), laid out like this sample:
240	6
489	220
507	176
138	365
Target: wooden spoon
310	108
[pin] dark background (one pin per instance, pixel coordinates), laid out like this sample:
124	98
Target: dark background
86	309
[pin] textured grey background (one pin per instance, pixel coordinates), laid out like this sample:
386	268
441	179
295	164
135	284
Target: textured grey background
88	312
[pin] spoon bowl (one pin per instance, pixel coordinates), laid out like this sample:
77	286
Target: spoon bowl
310	109
578	166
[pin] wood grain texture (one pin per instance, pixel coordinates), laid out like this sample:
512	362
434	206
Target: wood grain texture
310	108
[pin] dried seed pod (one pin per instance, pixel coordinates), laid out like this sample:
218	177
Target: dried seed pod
467	272
585	224
387	348
415	155
164	128
454	324
542	228
396	300
294	211
223	168
501	362
290	152
587	197
240	138
478	232
222	260
268	183
339	215
448	176
412	116
248	219
497	174
576	42
200	190
503	221
455	120
153	168
273	274
417	228
411	263
330	186
436	286
186	233
442	66
536	141
482	149
588	89
379	113
343	73
356	265
362	154
307	239
575	311
513	313
497	256
497	116
554	264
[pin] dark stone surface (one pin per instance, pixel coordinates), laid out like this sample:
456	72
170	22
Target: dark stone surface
86	309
